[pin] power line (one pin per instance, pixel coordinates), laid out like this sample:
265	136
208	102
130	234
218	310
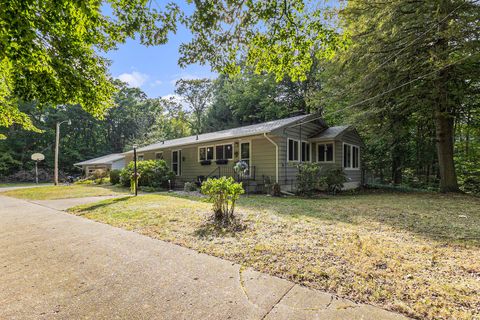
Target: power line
396	54
390	90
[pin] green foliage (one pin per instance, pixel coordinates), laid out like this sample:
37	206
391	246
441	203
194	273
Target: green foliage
99	174
84	181
8	164
115	176
223	192
50	50
334	179
189	187
309	178
151	173
278	37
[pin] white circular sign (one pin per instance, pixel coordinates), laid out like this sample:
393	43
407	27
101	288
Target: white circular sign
38	157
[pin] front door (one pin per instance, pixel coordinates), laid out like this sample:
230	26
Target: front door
245	152
177	162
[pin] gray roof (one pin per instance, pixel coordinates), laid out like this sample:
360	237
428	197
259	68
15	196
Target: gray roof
224	134
108	159
331	132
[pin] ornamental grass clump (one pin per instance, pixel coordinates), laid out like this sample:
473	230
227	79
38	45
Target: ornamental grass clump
223	192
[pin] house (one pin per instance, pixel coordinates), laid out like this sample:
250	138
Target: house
109	162
272	151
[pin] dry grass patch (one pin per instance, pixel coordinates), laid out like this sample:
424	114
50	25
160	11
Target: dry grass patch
64	192
413	253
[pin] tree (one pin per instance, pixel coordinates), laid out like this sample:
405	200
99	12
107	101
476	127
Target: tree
428	45
50	50
197	94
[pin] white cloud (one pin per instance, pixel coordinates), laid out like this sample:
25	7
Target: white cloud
134	79
156	83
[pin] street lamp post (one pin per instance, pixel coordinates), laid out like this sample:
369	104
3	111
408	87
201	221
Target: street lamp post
135	177
57	146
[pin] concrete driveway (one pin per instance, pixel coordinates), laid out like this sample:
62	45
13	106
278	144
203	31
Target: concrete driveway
59	266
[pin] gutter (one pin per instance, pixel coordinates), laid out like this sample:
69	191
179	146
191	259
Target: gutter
276	155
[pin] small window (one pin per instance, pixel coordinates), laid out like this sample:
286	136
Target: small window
305	151
224	152
140	157
351	156
325	152
292	150
205	153
159	155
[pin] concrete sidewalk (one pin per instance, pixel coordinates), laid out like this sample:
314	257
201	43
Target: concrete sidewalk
59	266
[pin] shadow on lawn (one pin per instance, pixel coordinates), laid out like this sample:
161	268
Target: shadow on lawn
101	204
440	217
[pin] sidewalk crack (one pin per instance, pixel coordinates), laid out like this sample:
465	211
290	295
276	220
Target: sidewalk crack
278	301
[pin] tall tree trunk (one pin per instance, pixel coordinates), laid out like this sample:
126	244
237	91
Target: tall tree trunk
444	112
444	137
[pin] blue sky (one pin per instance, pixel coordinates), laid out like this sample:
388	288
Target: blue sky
154	69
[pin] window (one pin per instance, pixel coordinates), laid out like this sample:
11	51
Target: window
351	156
177	162
245	152
292	150
205	153
305	151
140	157
224	152
159	155
325	152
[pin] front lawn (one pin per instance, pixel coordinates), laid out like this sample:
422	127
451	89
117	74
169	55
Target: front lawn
418	254
64	192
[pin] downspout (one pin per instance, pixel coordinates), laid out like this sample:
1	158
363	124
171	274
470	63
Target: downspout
276	155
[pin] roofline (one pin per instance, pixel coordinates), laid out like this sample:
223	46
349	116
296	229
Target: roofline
197	142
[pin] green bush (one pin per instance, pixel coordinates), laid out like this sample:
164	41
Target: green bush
151	173
115	176
84	181
309	178
189	187
102	180
99	174
335	179
223	192
471	184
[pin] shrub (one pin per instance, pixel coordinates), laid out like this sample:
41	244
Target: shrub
335	179
99	174
115	176
84	181
189	187
276	191
151	173
471	184
309	178
223	192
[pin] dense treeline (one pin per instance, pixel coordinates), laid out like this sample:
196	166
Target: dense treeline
408	80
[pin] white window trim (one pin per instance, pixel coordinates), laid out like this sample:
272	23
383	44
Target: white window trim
206	146
215	151
158	153
179	159
333	150
299	150
140	155
310	150
351	157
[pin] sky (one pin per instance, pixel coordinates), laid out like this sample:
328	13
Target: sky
154	69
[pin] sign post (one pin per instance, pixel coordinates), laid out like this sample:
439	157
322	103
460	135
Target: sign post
37	157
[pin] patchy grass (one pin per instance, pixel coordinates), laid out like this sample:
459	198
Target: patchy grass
413	253
64	192
21	184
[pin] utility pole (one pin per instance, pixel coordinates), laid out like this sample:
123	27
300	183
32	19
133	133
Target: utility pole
135	177
57	147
